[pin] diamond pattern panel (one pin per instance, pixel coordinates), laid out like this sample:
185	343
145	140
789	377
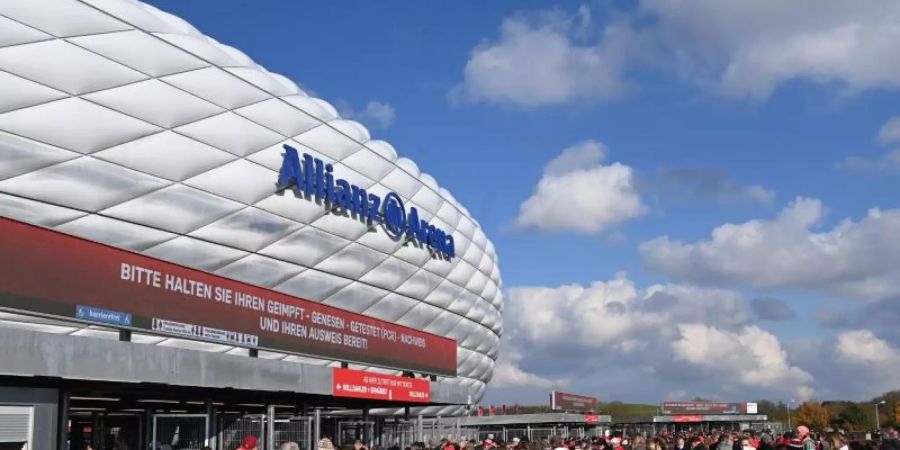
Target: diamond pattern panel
14	33
18	155
17	92
61	17
231	133
182	166
249	229
240	180
155	102
64	66
84	183
140	51
179	209
166	155
77	125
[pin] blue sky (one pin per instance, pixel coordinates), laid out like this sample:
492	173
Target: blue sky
705	114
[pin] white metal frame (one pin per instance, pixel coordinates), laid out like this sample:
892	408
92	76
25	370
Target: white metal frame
20	409
182	416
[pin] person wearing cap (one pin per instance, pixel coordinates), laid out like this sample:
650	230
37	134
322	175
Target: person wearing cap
325	444
805	439
249	443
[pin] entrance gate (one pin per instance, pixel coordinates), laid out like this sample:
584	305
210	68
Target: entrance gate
180	431
232	430
292	429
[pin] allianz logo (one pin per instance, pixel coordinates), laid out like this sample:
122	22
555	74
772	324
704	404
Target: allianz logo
313	179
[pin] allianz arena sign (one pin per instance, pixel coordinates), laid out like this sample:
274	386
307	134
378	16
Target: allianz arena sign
315	180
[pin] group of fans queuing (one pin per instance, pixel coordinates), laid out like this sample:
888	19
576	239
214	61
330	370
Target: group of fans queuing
801	439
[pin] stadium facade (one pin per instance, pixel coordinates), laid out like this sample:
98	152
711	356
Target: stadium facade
143	164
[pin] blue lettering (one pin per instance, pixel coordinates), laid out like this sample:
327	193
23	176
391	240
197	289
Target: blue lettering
374	208
308	174
359	202
320	179
290	174
315	178
343	196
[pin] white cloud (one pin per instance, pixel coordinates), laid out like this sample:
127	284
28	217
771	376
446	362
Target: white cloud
890	131
734	48
578	193
543	61
579	156
674	337
889	162
863	347
748	49
863	355
377	113
507	374
852	259
751	355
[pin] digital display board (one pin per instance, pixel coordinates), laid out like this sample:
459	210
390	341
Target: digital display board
572	402
694	408
51	273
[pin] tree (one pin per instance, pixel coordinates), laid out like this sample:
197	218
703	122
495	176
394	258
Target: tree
855	418
813	415
776	412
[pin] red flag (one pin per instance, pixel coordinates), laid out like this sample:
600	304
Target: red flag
493	410
480	410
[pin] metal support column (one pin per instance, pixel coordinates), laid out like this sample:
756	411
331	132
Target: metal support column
62	425
317	427
210	422
270	427
365	429
420	429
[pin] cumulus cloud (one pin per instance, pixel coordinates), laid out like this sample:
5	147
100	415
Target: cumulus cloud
708	184
508	374
751	356
889	162
377	113
863	354
852	259
748	49
544	60
579	193
675	337
890	131
772	309
862	347
734	48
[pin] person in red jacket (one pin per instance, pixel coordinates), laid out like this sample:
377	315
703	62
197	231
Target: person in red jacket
249	443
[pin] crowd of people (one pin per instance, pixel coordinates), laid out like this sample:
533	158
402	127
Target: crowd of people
800	439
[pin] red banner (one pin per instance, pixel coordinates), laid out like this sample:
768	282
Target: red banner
682	419
374	386
591	418
47	272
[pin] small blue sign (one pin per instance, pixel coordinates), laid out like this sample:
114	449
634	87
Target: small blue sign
103	315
